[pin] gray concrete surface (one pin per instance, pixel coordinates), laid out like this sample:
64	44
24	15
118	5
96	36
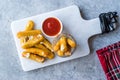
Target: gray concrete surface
85	68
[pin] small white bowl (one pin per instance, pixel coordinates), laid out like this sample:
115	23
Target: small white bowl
61	28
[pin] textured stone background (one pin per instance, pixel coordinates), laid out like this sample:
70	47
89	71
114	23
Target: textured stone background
85	68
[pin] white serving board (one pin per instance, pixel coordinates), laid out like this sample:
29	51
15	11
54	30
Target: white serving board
73	23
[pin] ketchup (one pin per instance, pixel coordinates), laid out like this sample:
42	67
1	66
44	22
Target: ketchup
51	26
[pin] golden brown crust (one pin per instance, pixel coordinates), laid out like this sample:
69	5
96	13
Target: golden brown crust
50	55
29	26
56	47
47	44
63	44
28	33
37	51
33	57
32	42
71	43
60	53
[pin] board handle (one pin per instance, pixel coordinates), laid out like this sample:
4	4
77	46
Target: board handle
106	23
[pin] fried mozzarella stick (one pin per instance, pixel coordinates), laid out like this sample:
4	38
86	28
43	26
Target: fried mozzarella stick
71	43
28	33
60	53
32	42
56	47
68	52
63	44
24	39
47	44
37	51
33	57
29	26
40	46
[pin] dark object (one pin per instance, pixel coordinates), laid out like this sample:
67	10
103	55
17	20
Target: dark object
110	60
108	21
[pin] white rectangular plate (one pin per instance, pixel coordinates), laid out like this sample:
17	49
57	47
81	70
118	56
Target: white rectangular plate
72	23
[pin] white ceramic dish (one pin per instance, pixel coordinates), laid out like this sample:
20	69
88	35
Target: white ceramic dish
73	23
61	25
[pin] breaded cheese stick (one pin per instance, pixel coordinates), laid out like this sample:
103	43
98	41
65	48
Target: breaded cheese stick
33	57
32	42
40	46
68	52
47	44
24	39
71	43
56	47
51	55
29	26
63	44
37	51
28	33
60	53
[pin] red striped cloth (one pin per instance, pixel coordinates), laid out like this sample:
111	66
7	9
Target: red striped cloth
110	60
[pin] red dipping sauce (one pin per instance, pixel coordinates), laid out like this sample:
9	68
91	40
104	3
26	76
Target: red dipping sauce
51	26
